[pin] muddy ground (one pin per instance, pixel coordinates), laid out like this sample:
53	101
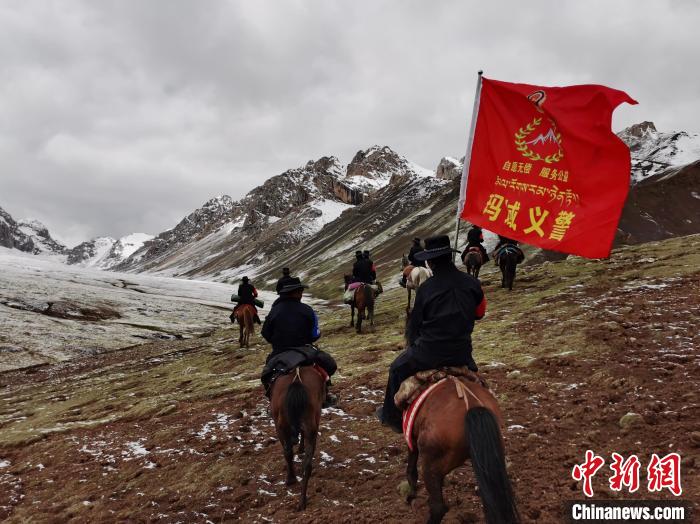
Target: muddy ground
178	431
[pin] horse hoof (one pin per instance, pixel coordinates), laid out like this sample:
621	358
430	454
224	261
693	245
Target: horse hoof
291	481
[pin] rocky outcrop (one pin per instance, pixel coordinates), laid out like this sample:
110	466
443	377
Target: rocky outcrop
449	168
653	152
30	236
373	168
647	215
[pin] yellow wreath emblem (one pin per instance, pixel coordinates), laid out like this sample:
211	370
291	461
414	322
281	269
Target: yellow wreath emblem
521	146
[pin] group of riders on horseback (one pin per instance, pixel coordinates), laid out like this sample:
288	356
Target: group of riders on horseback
438	336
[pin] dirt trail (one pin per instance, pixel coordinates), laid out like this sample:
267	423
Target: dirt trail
212	455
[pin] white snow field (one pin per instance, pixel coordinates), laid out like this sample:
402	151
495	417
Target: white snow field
50	312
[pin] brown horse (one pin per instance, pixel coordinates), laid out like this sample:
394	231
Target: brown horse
245	315
296	401
364	302
473	260
447	431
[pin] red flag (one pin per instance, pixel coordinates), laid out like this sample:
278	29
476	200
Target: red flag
546	168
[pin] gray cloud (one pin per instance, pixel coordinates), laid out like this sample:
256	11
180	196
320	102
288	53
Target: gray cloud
122	115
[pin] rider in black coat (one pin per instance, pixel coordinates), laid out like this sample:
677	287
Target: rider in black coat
284	280
246	292
362	271
372	268
416	248
504	241
475	238
440	326
293	324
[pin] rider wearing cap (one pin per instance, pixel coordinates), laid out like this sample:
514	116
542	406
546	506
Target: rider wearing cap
439	329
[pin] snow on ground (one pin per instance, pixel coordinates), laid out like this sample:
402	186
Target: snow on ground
132	243
330	210
421	171
47	309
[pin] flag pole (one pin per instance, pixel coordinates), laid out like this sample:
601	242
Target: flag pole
467	159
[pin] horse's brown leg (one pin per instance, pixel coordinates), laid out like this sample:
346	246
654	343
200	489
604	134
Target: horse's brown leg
352	315
412	475
310	444
301	449
434	479
288	450
360	315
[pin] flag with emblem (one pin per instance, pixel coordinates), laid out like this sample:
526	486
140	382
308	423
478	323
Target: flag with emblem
544	166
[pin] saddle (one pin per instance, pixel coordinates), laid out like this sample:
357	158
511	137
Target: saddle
414	386
509	248
238	308
416	389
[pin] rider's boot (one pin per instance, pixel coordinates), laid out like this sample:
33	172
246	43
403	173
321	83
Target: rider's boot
393	425
257	319
330	400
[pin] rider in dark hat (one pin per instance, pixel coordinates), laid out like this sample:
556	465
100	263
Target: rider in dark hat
475	238
505	241
416	248
247	295
362	269
292	324
439	330
284	280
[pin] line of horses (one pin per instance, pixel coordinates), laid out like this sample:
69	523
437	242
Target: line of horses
463	432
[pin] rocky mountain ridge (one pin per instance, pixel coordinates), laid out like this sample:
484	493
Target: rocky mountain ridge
28	235
314	216
105	252
653	151
282	212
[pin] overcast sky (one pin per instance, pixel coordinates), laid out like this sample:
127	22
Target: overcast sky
124	115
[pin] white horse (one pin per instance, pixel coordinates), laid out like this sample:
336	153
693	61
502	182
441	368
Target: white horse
415	277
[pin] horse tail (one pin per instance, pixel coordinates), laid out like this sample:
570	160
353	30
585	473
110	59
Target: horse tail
488	460
295	403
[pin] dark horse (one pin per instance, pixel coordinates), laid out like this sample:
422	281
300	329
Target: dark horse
296	401
363	299
447	431
507	261
473	260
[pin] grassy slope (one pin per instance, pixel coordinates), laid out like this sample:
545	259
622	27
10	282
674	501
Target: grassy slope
548	314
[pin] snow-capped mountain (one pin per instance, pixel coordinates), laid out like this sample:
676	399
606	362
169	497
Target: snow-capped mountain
653	152
106	252
28	235
226	238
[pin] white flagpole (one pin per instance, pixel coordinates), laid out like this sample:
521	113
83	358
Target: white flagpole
467	160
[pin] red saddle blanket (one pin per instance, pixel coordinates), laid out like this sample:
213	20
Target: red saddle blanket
409	415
